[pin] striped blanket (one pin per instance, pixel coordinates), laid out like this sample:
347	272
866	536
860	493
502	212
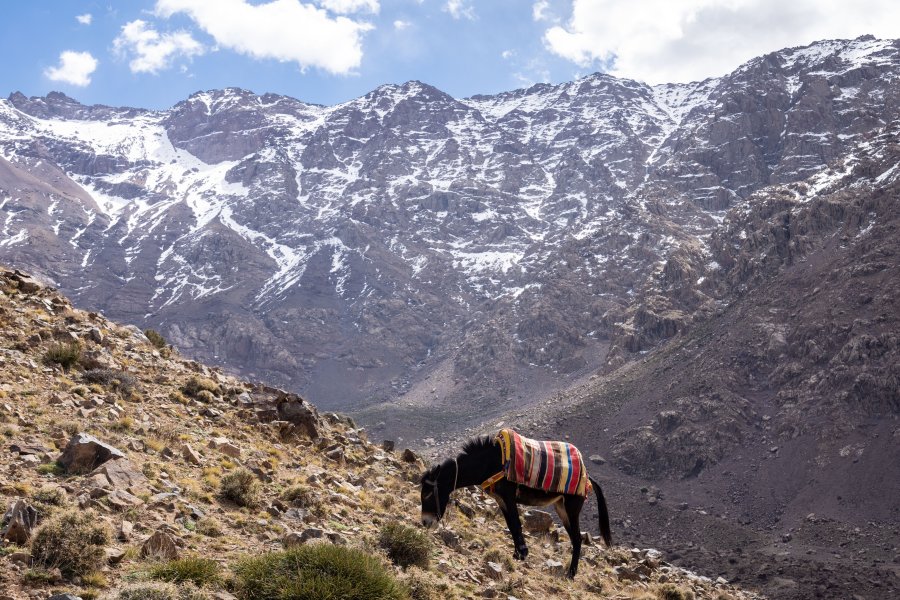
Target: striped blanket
549	466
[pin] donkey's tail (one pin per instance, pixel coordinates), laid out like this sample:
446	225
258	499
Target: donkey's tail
604	514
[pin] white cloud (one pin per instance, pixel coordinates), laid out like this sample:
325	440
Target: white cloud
539	10
74	67
346	7
400	24
460	9
152	51
507	54
85	19
666	41
286	30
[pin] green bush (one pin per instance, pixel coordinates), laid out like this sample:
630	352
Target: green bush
113	378
406	546
155	338
73	541
301	496
201	571
241	487
316	572
64	355
160	591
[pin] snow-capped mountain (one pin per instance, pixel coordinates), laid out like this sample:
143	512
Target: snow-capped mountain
407	244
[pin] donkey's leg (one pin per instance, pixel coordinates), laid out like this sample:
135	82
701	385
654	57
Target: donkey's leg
505	496
569	511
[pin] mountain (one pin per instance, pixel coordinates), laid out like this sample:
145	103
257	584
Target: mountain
493	249
126	463
695	282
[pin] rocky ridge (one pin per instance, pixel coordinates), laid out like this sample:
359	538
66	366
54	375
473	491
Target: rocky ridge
102	418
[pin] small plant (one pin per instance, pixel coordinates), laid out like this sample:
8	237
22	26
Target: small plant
209	527
155	338
201	571
120	381
501	558
73	541
65	355
405	545
194	385
315	572
241	487
205	396
301	496
670	591
51	468
160	591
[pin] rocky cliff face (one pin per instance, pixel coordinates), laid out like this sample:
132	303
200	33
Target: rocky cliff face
491	249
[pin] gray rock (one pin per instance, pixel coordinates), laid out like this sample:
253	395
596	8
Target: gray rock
537	521
85	452
18	522
161	546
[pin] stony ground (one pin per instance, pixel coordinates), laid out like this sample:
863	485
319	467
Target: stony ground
168	430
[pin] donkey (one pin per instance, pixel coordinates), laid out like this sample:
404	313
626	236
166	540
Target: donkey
480	463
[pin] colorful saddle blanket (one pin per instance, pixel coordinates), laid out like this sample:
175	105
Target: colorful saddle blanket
549	466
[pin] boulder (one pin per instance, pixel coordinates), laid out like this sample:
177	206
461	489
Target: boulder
388	445
538	521
224	446
554	567
64	597
409	456
160	546
18	522
84	453
301	414
190	455
122	475
597	459
493	571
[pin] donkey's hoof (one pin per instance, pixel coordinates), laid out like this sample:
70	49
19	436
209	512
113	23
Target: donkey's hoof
521	553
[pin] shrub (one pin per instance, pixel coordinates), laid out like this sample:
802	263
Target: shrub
73	541
64	355
671	592
205	396
160	591
241	487
316	572
194	385
201	571
425	586
405	546
301	496
120	381
155	338
209	527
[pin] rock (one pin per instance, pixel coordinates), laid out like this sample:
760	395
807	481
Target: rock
223	596
120	500
160	546
125	530
224	446
84	453
450	538
388	445
409	456
19	521
623	573
493	571
786	537
586	538
64	597
292	539
22	558
335	454
537	521
95	335
114	556
597	459
190	455
554	567
27	284
302	414
310	534
122	475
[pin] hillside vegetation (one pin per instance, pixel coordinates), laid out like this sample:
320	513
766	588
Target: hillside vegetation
131	473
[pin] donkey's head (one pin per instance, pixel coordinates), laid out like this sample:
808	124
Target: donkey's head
437	483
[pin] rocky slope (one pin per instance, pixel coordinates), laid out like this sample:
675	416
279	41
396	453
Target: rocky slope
139	439
444	255
770	428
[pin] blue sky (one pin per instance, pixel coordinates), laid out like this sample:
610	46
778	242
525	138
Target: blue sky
153	53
